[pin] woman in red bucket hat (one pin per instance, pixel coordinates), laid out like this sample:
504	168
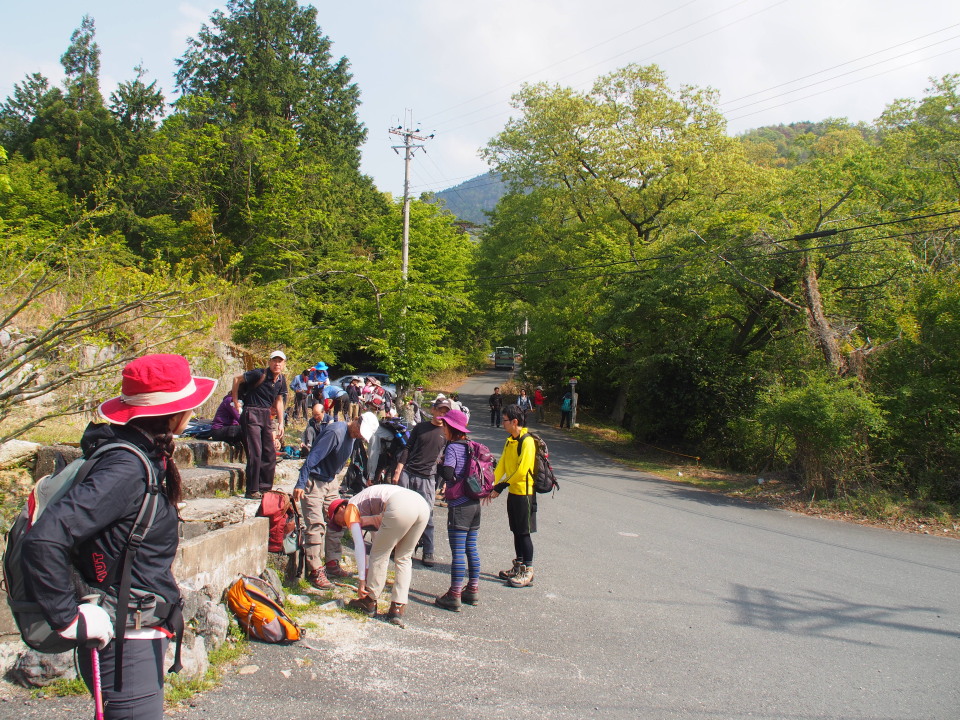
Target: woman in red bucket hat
88	531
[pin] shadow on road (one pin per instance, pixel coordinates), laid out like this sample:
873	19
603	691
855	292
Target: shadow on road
824	615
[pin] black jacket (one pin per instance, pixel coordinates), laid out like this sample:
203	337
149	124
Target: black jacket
95	519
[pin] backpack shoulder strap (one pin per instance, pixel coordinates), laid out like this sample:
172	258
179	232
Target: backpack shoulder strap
141	526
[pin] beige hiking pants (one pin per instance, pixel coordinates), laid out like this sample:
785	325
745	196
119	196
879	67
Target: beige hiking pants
404	519
318	539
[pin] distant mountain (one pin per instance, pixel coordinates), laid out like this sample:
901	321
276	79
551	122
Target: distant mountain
470	200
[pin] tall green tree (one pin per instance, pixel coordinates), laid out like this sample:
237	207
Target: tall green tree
267	63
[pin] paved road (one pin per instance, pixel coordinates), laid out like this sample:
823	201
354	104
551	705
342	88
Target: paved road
652	600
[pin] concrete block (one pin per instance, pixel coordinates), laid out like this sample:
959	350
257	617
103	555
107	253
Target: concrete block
216	558
47	458
207	481
214	513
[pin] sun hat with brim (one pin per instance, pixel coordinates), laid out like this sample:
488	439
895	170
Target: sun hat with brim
331	511
155	385
320	366
456	419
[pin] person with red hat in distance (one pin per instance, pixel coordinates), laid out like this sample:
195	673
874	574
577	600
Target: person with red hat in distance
87	531
265	390
397	516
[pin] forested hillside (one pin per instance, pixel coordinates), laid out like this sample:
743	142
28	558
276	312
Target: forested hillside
474	199
786	300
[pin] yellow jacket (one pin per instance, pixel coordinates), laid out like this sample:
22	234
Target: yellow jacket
516	469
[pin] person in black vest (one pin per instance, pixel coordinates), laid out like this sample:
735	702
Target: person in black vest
266	390
89	528
417	467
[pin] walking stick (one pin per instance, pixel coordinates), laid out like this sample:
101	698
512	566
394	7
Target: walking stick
97	690
95	664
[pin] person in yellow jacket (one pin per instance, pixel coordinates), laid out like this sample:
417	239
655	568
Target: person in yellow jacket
515	471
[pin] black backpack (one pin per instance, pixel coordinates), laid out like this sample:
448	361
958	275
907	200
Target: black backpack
544	481
390	449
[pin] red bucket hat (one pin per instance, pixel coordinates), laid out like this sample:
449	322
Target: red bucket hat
155	385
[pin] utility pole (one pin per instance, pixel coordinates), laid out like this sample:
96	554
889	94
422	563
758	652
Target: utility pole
409	148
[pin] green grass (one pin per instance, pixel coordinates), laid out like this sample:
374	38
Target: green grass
61	688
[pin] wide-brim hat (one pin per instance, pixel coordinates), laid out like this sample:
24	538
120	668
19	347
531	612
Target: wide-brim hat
331	511
320	366
156	385
456	419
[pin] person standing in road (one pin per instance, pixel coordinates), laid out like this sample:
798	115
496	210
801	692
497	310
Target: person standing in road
417	467
266	390
318	486
538	400
523	402
496	407
566	409
463	517
514	471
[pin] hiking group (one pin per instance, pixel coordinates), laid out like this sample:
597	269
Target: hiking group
88	561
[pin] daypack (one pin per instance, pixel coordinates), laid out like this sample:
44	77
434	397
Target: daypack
259	610
275	505
355	478
477	480
542	476
390	449
34	629
566	405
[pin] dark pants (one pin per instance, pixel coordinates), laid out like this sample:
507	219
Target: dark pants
565	417
426	487
495	418
300	405
141	693
261	454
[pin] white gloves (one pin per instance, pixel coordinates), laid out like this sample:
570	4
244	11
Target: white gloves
97	626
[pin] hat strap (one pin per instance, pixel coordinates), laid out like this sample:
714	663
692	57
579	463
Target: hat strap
150	399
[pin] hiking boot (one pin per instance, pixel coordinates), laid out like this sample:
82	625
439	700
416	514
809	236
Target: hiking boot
254	496
335	570
319	581
470	597
366	604
512	572
395	614
523	577
427	560
448	601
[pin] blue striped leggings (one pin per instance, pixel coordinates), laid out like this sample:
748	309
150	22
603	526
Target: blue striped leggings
463	547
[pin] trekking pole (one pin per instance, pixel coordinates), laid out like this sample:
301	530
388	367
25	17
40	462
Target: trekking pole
95	664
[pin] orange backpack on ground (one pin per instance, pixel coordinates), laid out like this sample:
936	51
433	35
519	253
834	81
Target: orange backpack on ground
259	611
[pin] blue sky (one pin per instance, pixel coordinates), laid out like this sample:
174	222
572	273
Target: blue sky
453	64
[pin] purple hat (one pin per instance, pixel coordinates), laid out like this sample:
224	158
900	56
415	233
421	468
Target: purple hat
456	419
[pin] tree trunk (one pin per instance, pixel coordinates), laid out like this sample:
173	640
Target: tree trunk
619	406
817	321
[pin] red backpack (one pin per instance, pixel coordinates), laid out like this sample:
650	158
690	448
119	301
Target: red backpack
277	507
